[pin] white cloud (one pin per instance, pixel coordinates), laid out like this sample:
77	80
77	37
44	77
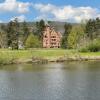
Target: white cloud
44	8
14	6
20	18
66	13
41	17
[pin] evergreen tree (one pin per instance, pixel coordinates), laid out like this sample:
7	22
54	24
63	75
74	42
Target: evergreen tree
13	33
93	28
64	42
25	31
40	28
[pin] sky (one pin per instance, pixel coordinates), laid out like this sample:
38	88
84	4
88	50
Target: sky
53	10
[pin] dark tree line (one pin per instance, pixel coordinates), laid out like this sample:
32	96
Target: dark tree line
93	28
74	35
16	32
12	34
64	42
40	28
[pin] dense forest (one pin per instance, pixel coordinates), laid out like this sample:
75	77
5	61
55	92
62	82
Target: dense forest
84	36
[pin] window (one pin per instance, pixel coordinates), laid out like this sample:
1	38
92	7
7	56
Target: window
53	39
53	36
45	36
53	43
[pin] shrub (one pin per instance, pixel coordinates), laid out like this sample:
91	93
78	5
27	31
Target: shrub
32	42
84	49
94	46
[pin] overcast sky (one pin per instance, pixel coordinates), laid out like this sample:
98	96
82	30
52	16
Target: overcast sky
57	10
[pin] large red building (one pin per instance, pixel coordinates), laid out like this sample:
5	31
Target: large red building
51	38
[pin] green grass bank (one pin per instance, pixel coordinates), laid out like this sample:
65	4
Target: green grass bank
44	55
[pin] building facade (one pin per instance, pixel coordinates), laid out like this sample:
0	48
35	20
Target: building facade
51	38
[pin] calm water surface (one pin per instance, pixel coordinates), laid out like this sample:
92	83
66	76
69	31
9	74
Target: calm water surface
53	81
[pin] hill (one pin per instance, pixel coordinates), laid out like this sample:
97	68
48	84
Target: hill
59	26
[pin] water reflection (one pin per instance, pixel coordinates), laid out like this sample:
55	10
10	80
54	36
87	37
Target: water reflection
53	81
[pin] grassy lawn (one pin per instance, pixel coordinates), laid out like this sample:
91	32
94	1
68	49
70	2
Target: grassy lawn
6	56
90	54
45	53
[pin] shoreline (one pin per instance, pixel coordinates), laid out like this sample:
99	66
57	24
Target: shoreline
45	56
36	60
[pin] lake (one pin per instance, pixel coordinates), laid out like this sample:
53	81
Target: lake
52	81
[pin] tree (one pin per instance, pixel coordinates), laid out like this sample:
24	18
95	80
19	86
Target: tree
64	42
90	28
97	26
74	37
3	36
25	31
3	42
13	33
32	42
97	23
40	28
93	28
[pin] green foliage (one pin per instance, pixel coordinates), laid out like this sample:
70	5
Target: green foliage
83	49
32	42
3	37
25	31
92	28
64	42
75	36
40	28
12	34
94	46
3	42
